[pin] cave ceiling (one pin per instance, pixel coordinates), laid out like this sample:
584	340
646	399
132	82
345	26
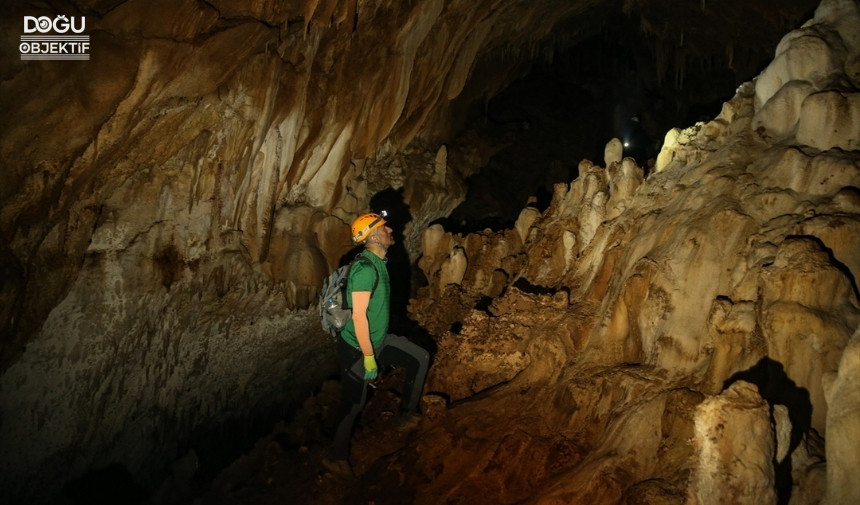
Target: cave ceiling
317	89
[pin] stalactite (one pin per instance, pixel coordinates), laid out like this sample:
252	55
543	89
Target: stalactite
680	63
660	63
730	56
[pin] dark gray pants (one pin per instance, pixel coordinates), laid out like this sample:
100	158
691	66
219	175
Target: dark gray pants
394	351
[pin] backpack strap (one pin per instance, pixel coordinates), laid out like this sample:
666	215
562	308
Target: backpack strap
362	257
346	293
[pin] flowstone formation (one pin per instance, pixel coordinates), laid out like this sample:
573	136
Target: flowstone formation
686	337
170	208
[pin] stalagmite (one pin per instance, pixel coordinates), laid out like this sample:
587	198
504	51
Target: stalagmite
734	445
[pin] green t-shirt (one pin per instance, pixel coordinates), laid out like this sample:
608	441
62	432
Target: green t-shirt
362	277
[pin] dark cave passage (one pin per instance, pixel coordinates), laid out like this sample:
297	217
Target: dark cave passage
611	84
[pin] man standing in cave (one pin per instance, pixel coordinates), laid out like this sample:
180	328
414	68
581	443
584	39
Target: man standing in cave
365	345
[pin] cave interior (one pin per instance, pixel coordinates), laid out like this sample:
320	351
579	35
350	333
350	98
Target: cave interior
631	70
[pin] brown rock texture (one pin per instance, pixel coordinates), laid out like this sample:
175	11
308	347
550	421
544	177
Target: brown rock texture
682	338
726	263
734	441
169	208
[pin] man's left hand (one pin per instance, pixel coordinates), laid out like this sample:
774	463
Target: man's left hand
371	371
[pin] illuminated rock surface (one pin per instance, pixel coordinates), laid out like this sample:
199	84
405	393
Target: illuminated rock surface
170	207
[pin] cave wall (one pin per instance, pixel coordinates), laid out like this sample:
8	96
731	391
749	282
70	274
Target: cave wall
171	205
685	337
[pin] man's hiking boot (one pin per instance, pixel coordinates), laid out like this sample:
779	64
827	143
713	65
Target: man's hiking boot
339	467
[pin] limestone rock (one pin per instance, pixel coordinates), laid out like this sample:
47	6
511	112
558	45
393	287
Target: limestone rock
829	120
793	95
782	428
481	265
805	56
487	354
669	143
843	426
625	178
780	114
789	311
734	446
733	261
453	268
524	222
684	146
613	152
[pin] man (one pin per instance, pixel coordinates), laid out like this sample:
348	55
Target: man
365	345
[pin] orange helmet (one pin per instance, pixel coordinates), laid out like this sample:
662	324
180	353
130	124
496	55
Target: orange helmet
365	223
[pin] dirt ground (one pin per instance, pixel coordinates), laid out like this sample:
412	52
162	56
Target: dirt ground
286	466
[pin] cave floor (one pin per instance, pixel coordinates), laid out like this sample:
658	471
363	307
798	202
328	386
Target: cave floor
287	465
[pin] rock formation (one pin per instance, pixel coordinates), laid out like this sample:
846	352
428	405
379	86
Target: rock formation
170	207
735	260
